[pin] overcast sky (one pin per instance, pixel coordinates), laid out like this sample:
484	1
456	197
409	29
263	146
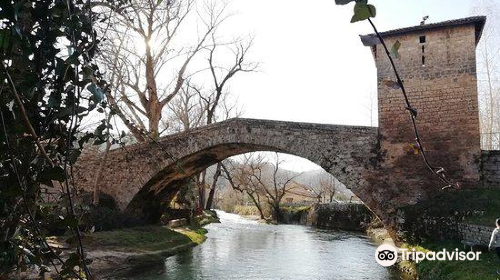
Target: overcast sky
313	67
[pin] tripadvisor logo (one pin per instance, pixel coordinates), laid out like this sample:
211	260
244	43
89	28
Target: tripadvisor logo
387	255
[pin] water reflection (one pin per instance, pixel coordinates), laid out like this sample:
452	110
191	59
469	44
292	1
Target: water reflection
242	249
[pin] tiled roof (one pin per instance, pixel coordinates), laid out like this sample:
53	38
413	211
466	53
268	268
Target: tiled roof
477	21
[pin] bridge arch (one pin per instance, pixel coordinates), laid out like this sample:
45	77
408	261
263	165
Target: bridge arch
143	176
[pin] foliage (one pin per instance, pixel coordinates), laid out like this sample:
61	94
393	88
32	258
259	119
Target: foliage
296	209
49	83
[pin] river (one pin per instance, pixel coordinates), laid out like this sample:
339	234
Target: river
243	249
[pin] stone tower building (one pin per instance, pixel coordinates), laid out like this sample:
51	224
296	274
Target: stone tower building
438	66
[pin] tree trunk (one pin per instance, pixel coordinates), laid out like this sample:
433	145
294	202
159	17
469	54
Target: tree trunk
276	212
201	190
332	194
154	105
211	194
257	204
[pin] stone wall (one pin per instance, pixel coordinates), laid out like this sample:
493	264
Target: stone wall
477	234
447	217
296	215
416	226
349	216
490	169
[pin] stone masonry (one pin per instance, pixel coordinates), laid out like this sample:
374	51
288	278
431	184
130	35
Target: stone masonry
437	64
475	234
490	169
142	177
381	166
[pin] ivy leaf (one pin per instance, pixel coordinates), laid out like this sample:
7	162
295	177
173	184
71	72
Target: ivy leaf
73	156
88	73
5	40
85	138
97	92
343	2
391	84
363	11
55	173
395	49
68	266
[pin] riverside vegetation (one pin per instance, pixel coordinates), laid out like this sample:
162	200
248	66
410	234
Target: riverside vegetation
478	207
121	250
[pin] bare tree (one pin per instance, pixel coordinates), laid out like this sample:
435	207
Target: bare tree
328	188
215	98
187	110
145	45
489	75
277	185
242	176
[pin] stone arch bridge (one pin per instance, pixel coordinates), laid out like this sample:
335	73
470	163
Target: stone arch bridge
141	177
382	166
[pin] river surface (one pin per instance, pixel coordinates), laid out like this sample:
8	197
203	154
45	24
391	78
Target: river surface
243	249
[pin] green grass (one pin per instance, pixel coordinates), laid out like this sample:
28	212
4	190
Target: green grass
143	239
196	235
484	269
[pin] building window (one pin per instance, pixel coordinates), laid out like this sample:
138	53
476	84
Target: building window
422	41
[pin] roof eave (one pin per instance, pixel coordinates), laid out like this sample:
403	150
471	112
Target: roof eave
479	23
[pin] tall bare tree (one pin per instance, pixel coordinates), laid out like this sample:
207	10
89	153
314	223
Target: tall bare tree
145	44
489	74
224	61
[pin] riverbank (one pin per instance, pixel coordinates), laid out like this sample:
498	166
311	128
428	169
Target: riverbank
483	269
446	222
118	251
121	251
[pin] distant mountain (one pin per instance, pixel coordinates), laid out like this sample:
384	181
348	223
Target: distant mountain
312	179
